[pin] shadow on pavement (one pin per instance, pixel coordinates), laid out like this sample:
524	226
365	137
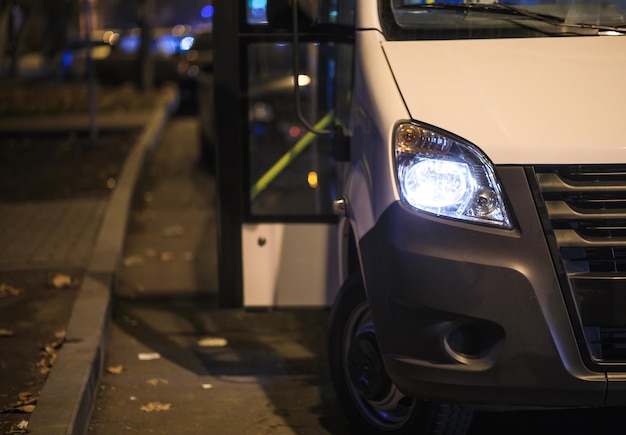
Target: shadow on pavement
266	368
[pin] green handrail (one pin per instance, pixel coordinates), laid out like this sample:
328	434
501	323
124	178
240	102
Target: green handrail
288	157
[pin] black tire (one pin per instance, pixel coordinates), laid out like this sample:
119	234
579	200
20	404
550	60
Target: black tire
370	400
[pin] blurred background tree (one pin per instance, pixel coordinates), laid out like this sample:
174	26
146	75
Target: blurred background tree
34	26
5	21
58	17
35	35
145	19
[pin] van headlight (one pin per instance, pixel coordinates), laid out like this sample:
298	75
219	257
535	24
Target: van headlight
448	177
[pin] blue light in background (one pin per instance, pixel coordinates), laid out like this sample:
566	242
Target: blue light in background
67	59
259	130
167	45
207	11
520	2
421	2
186	43
129	44
257	11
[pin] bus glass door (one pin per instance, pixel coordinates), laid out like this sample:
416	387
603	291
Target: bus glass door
288	177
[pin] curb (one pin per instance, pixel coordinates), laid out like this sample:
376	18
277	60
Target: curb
66	401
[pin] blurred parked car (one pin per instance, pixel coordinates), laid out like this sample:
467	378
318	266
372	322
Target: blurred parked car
169	46
198	58
179	55
192	66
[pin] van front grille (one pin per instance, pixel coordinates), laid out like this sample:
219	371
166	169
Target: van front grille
586	205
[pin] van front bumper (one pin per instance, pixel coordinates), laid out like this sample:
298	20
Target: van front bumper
472	314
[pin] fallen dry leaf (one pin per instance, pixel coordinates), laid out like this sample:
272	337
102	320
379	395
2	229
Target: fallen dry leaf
156	406
173	231
165	256
56	343
49	354
20	427
133	260
62	280
157	381
26	408
142	217
115	370
6	333
26	403
212	342
131	321
25	395
7	290
148	356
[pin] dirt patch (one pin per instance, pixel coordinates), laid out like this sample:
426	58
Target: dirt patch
62	165
19	98
33	319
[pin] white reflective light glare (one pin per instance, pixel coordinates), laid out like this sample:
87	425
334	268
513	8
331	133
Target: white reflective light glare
304	80
454	181
186	43
433	184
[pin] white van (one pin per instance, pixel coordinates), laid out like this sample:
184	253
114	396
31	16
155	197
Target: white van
483	211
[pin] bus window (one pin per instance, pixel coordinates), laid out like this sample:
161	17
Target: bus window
291	172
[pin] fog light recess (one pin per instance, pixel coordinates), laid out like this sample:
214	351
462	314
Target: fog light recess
475	343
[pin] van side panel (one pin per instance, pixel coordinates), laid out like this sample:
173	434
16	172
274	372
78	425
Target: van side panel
376	106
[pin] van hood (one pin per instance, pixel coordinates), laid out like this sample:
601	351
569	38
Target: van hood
522	101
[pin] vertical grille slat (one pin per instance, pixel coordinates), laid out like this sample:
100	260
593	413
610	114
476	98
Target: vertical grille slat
586	205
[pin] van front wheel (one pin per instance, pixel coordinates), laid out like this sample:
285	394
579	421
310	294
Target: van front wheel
371	401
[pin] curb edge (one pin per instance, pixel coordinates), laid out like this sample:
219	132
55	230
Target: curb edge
66	401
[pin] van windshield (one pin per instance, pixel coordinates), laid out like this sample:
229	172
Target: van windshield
458	19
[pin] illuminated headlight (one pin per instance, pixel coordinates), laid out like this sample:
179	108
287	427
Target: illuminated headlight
448	177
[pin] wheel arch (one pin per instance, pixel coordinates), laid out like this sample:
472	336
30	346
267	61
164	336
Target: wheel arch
349	259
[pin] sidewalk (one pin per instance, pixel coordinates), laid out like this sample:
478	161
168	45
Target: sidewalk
54	336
